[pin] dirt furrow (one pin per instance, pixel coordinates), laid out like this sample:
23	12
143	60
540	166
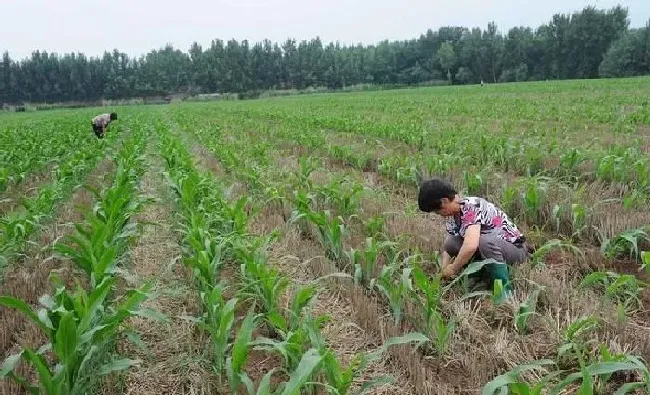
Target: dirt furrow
173	353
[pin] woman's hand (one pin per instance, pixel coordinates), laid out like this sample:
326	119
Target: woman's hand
449	271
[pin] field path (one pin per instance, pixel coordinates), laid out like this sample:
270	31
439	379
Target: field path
172	357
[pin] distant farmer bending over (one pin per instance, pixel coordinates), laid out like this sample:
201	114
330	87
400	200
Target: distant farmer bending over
100	123
476	229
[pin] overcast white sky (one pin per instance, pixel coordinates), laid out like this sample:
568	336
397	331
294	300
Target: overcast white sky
137	26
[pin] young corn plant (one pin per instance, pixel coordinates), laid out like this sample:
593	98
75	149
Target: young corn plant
395	289
331	230
474	183
365	261
236	362
205	254
624	289
218	320
292	345
78	325
525	310
443	330
107	230
342	195
625	243
261	281
298	379
375	226
533	198
340	378
512	381
427	294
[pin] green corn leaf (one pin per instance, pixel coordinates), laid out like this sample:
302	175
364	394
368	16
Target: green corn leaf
117	365
44	374
105	264
88	336
95	301
511	377
306	368
9	364
277	320
227	316
300	300
14	303
587	386
265	384
413	337
66	337
45	318
242	340
597	369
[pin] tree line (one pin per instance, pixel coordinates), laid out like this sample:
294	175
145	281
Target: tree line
590	43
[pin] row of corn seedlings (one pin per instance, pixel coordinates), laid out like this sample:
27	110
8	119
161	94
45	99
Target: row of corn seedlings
82	322
402	281
17	227
292	332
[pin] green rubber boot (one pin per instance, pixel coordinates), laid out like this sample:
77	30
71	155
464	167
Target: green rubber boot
499	271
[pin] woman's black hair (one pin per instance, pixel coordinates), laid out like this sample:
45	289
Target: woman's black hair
432	192
113	116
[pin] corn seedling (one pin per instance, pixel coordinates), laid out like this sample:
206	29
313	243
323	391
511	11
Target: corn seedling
339	377
427	294
621	288
342	195
512	382
78	326
395	289
443	330
206	253
330	230
624	243
525	310
239	355
261	281
218	320
474	183
365	261
374	226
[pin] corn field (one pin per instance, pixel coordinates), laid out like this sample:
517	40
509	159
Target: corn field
275	246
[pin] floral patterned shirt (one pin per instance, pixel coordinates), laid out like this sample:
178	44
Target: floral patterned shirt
475	210
102	120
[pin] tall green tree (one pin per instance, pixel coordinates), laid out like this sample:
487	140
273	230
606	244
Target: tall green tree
447	57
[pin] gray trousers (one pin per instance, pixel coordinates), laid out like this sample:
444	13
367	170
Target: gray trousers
490	246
